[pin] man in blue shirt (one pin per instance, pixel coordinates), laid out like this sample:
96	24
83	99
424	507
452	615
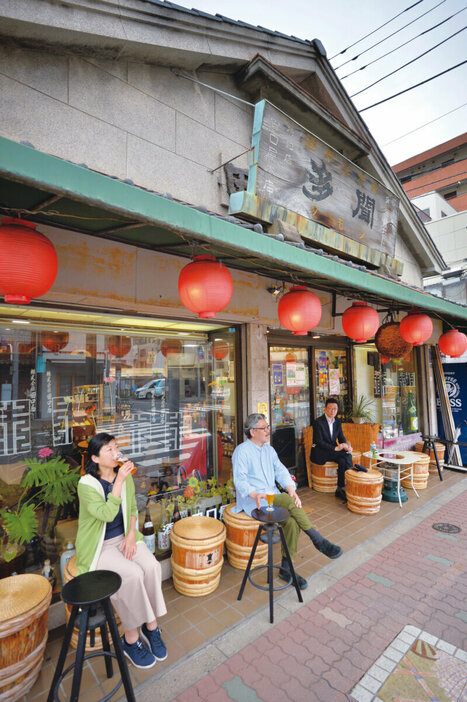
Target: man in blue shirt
256	468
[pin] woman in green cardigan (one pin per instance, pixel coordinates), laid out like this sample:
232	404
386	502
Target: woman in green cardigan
108	539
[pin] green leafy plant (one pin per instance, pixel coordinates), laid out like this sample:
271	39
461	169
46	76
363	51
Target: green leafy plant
362	408
51	482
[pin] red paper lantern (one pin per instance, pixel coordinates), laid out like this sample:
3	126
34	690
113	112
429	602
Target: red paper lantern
453	343
119	346
28	261
205	286
219	349
54	341
299	310
360	322
416	328
169	347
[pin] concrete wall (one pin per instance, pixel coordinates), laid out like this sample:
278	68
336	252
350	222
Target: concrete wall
126	119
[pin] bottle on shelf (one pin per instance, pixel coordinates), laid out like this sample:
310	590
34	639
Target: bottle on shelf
412	418
176	514
373	449
163	535
148	531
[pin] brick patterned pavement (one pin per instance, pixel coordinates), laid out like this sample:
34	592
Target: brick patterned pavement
322	650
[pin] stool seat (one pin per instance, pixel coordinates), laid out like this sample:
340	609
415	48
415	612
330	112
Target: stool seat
278	515
90	588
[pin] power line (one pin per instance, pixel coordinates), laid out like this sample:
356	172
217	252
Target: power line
389	35
401	92
426	31
423	125
408	63
375	30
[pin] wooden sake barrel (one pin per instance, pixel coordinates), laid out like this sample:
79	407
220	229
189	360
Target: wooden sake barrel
197	548
25	601
324	477
440	449
240	536
363	491
420	471
70	572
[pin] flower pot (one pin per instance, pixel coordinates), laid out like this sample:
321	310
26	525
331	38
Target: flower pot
16	565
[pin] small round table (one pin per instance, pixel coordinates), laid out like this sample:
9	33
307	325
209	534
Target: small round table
400	461
268	522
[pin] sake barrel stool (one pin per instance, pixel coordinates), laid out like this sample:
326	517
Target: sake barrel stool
89	596
363	491
240	536
324	477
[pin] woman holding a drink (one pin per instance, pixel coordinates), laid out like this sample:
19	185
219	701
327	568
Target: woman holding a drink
108	539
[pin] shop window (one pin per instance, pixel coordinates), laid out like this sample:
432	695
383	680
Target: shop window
331	379
400	415
170	400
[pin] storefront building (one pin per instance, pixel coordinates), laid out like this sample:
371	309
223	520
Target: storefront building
153	123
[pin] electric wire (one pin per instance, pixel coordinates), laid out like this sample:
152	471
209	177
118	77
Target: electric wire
375	30
417	85
423	125
396	70
426	31
389	36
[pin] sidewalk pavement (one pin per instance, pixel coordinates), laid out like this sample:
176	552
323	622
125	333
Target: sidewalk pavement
361	613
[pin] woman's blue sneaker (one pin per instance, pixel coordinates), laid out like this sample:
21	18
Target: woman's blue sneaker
139	654
153	640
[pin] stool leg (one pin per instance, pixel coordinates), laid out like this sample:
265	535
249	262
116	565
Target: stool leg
287	555
270	576
250	561
437	462
78	671
63	651
125	675
106	647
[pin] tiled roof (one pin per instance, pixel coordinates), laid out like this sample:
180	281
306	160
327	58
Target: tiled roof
228	20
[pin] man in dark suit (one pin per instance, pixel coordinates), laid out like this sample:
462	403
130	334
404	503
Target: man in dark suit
329	444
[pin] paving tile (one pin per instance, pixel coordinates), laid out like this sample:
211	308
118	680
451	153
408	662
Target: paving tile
461	614
380	579
438	559
361	695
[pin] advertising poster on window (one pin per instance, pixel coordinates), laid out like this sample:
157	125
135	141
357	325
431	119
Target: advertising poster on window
323	382
296	375
455	375
334	381
277	374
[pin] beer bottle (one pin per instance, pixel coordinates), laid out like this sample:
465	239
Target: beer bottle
148	531
176	514
412	415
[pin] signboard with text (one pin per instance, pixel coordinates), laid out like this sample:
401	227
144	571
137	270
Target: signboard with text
294	169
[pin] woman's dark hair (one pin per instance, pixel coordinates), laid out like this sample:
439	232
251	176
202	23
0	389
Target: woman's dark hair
94	449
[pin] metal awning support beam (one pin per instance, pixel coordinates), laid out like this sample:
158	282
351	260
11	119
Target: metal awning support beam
25	164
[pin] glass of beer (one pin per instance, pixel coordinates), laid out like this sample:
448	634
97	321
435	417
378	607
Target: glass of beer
270	499
120	459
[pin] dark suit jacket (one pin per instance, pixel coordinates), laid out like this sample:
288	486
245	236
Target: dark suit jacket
323	448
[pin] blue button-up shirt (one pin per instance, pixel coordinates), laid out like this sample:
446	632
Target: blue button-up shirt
256	469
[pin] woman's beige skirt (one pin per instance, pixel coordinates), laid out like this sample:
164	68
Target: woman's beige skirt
139	599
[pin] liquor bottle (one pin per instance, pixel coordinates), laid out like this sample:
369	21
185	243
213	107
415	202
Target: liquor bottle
412	419
373	449
148	531
176	514
68	553
163	536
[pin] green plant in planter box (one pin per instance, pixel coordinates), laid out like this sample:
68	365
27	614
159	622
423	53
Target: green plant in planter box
50	482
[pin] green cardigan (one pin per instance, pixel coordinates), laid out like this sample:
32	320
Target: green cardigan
94	514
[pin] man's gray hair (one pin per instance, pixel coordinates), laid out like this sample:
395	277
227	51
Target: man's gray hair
251	422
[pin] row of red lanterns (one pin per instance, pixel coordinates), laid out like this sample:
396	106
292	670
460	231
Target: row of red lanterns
28	268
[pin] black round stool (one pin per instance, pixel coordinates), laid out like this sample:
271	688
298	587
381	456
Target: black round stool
89	594
269	522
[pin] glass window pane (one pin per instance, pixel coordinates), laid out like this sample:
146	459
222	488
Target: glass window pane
331	378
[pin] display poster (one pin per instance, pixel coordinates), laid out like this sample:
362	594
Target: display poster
334	381
277	374
455	375
262	408
296	375
323	382
322	360
377	383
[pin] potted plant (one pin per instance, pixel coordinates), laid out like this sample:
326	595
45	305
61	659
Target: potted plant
361	410
49	482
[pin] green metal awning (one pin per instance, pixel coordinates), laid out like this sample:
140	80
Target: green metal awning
49	190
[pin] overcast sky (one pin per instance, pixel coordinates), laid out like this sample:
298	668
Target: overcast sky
340	23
